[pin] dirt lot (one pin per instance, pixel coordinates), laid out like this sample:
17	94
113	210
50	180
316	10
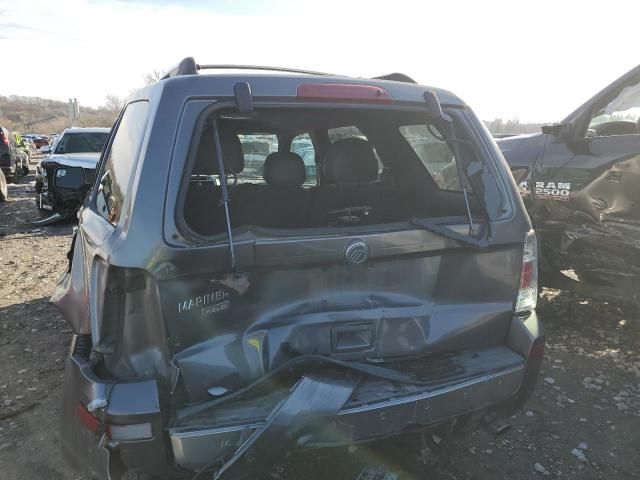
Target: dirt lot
583	422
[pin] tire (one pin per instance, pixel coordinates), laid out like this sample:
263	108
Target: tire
3	187
15	176
10	177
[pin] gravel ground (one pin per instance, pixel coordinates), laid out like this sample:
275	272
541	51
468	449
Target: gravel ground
582	423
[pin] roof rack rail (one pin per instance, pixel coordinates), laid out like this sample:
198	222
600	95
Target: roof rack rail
396	77
188	66
258	67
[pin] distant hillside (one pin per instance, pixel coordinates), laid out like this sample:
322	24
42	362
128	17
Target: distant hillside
16	113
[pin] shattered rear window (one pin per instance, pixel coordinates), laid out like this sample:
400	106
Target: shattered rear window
436	156
256	148
341	168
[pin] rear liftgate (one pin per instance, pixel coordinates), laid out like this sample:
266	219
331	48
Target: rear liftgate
319	395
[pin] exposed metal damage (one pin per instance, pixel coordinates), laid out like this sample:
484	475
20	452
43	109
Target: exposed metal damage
579	180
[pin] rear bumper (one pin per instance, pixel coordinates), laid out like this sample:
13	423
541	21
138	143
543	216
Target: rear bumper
375	409
134	404
195	447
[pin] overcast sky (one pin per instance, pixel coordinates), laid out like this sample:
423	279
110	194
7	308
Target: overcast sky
533	60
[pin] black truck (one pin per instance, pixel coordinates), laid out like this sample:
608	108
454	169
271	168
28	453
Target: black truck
580	181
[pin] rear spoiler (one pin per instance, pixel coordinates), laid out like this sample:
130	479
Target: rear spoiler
396	77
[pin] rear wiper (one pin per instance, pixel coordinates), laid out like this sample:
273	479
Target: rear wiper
448	232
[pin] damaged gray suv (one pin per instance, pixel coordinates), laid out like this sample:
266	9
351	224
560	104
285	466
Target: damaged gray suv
289	260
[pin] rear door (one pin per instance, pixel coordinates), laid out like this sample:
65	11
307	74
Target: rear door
346	293
587	191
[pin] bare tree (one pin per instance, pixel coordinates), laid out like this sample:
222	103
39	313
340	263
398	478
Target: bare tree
152	77
113	103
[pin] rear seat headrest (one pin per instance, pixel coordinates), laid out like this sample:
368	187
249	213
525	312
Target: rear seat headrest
206	160
350	160
284	169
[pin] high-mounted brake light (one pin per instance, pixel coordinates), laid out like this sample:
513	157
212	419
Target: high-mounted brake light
528	293
344	92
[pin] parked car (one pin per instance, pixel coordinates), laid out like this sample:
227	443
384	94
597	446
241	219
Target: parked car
24	148
4	192
64	177
38	140
222	321
49	147
580	180
31	146
13	161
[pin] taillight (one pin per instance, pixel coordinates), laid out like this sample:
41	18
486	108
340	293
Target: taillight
5	140
528	293
343	92
130	432
91	422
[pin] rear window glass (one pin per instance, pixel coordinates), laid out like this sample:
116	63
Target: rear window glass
386	176
339	133
303	146
434	153
256	148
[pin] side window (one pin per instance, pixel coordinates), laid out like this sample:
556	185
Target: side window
621	116
256	147
116	170
303	146
435	154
